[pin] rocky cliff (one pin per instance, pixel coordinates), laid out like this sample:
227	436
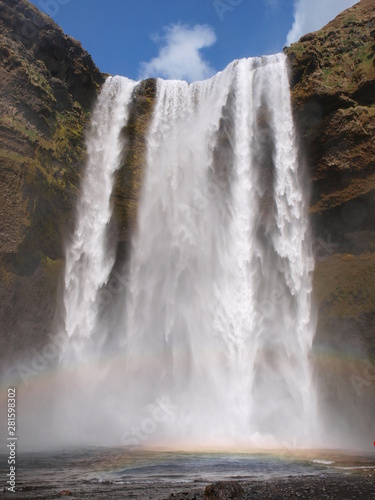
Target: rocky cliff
333	93
48	85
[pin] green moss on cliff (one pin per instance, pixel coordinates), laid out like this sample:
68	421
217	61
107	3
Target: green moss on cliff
22	129
338	58
37	79
13	157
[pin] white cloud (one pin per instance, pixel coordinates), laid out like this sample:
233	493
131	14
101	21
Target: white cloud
180	57
312	15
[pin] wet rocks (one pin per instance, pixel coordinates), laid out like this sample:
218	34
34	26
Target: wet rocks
224	490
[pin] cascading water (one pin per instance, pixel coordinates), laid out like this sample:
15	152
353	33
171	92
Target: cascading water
89	258
216	319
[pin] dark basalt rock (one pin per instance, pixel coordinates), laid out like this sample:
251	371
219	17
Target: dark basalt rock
224	490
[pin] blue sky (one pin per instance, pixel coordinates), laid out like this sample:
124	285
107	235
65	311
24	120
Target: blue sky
189	39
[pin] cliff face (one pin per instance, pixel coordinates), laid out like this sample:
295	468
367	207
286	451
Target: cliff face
333	94
48	85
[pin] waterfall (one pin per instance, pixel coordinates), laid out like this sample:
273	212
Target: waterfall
89	258
216	319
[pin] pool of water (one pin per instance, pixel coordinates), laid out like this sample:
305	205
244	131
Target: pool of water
121	473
